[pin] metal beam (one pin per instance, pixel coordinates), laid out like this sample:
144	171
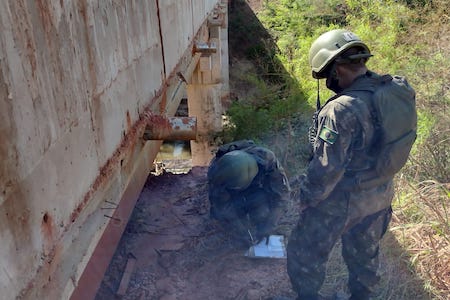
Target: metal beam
187	74
171	128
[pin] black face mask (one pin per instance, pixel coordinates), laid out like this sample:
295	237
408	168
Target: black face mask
333	82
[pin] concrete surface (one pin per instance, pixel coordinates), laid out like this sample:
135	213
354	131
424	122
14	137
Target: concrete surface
77	80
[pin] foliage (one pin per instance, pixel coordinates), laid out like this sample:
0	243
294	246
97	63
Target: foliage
407	37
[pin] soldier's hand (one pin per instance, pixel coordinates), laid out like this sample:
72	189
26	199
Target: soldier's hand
296	181
264	238
263	233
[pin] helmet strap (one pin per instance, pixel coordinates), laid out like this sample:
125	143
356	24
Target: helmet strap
318	96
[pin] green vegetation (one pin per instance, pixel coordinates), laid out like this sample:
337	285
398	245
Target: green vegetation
409	37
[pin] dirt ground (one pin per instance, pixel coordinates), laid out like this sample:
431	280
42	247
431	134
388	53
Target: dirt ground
182	254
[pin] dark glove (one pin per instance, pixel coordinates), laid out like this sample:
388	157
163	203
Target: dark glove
295	184
263	238
239	230
263	231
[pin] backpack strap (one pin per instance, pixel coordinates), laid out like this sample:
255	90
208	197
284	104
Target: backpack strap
362	179
236	145
370	85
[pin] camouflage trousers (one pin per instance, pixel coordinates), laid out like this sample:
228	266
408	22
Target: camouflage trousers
314	237
252	211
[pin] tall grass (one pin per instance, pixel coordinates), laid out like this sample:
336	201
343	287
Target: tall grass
409	37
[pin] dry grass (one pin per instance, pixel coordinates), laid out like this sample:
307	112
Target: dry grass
422	227
398	282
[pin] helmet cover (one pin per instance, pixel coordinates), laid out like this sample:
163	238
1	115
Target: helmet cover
329	46
234	170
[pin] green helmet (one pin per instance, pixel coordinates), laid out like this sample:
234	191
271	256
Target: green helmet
234	170
330	45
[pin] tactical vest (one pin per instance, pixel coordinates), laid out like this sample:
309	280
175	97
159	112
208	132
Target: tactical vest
391	105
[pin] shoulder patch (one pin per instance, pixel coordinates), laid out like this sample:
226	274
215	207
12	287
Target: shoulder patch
328	135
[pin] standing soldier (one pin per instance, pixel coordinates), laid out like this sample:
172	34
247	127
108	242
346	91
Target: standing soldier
248	189
347	189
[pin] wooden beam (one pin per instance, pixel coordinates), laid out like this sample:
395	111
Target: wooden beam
129	269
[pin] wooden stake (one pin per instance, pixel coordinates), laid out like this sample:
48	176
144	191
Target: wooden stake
129	269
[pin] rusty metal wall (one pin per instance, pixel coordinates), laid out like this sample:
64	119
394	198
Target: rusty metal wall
76	77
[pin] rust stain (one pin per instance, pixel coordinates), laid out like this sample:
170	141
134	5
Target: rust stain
82	7
54	259
167	128
47	269
44	12
31	53
127	145
92	275
129	128
157	120
162	105
17	216
129	125
47	229
24	26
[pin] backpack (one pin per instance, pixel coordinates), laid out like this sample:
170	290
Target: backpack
393	109
392	105
236	145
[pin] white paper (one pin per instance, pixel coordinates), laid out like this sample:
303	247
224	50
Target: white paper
274	249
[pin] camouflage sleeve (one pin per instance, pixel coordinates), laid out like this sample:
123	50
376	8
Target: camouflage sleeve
275	180
278	182
221	206
226	208
332	152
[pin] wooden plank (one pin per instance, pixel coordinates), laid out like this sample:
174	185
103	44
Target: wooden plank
129	269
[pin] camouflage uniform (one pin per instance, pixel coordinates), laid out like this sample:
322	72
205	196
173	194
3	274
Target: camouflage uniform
342	199
258	207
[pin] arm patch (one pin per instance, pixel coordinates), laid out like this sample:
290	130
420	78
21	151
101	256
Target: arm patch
328	135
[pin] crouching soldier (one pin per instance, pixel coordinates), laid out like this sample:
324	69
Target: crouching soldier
248	190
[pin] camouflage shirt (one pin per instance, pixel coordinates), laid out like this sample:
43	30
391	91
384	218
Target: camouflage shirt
341	149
